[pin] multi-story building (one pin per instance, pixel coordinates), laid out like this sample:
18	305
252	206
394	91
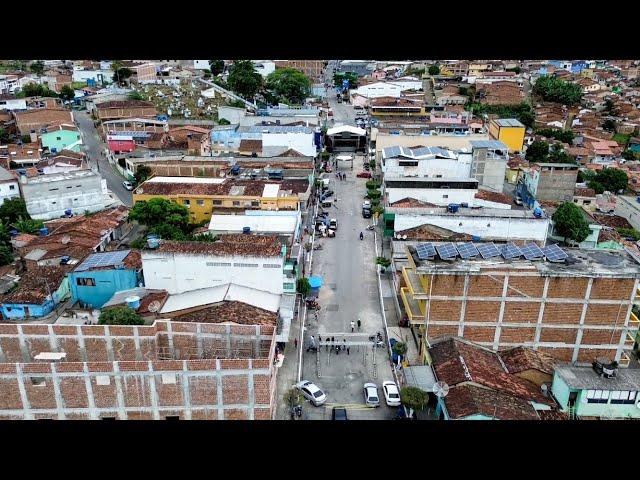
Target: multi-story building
50	196
119	109
575	308
205	196
311	68
509	131
489	163
168	370
548	182
8	186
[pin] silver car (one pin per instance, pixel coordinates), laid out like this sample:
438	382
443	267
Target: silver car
371	397
312	392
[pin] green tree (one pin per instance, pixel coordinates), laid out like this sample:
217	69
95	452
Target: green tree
522	111
613	179
159	211
136	96
303	286
120	316
6	255
290	84
5	237
170	232
629	233
142	173
553	89
66	93
609	106
120	72
434	70
37	90
537	151
28	225
586	176
400	348
4	135
596	186
13	210
373	194
517	70
569	222
565	136
340	76
223	121
628	155
558	155
243	79
217	67
37	67
609	125
414	398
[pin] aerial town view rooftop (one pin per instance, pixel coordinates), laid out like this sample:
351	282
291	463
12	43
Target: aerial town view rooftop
295	240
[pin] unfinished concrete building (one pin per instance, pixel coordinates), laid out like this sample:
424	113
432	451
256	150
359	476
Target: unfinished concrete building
575	310
169	370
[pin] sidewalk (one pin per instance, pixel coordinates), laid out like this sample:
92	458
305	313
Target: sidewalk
287	374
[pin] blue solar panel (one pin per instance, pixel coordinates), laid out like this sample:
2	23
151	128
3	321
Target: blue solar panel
447	251
425	251
510	251
467	250
554	253
487	250
532	251
104	259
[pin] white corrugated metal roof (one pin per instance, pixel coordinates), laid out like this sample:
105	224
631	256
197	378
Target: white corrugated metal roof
226	292
271	190
346	128
259	224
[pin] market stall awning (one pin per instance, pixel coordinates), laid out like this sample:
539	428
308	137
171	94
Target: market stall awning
315	282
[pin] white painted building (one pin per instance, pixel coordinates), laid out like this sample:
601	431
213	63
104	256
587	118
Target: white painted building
264	67
488	224
629	208
201	65
8	186
425	162
48	196
98	76
9	103
387	89
173	268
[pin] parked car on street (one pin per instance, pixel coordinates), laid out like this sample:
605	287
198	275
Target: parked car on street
364	175
371	397
312	392
391	393
127	185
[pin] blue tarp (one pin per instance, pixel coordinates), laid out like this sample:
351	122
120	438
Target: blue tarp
315	282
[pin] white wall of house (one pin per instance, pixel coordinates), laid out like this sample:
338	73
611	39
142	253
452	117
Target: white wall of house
9	189
629	208
437	196
178	273
99	76
232	114
485	227
299	141
201	64
264	67
13	104
429	167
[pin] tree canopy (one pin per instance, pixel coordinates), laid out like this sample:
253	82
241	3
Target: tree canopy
136	96
158	211
120	72
522	111
553	89
290	84
120	316
611	179
414	398
565	136
216	66
28	225
13	210
569	222
303	286
537	151
142	173
37	67
340	76
434	70
67	93
6	254
243	78
37	90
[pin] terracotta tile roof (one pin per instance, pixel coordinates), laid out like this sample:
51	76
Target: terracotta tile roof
483	367
190	128
283	165
409	202
584	192
252	188
467	400
230	311
520	359
428	232
552	415
292	153
228	245
32	288
612	221
493	197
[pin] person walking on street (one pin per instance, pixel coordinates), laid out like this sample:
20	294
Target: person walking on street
344	347
359	324
352	326
347	349
295	343
332	342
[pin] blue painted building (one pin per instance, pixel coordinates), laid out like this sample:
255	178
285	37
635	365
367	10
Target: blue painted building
101	275
581	392
38	293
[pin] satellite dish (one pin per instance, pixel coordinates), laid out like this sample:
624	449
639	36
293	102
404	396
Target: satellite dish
441	389
66	239
154	306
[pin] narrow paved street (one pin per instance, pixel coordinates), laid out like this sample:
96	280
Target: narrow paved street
94	148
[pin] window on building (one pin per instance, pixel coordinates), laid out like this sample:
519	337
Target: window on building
236	203
172	417
445	196
218	264
217	202
597	396
246	265
58	138
38	381
200	202
271	265
86	282
623	397
12	187
255	203
186	203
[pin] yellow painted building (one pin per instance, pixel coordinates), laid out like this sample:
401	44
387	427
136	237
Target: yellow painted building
509	131
206	196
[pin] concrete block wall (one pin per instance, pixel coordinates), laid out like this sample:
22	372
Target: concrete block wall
574	319
110	376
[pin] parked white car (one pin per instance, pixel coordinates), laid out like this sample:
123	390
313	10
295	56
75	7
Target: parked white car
312	392
127	185
371	397
391	394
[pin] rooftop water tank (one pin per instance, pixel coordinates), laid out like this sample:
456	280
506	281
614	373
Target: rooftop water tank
537	212
13	232
475	238
246	230
153	241
453	207
44	231
464	205
68	212
133	302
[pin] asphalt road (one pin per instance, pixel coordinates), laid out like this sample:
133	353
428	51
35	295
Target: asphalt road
95	148
350	293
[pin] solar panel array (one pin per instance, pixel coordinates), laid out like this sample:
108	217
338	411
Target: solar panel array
425	251
104	259
447	251
509	251
554	253
467	250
